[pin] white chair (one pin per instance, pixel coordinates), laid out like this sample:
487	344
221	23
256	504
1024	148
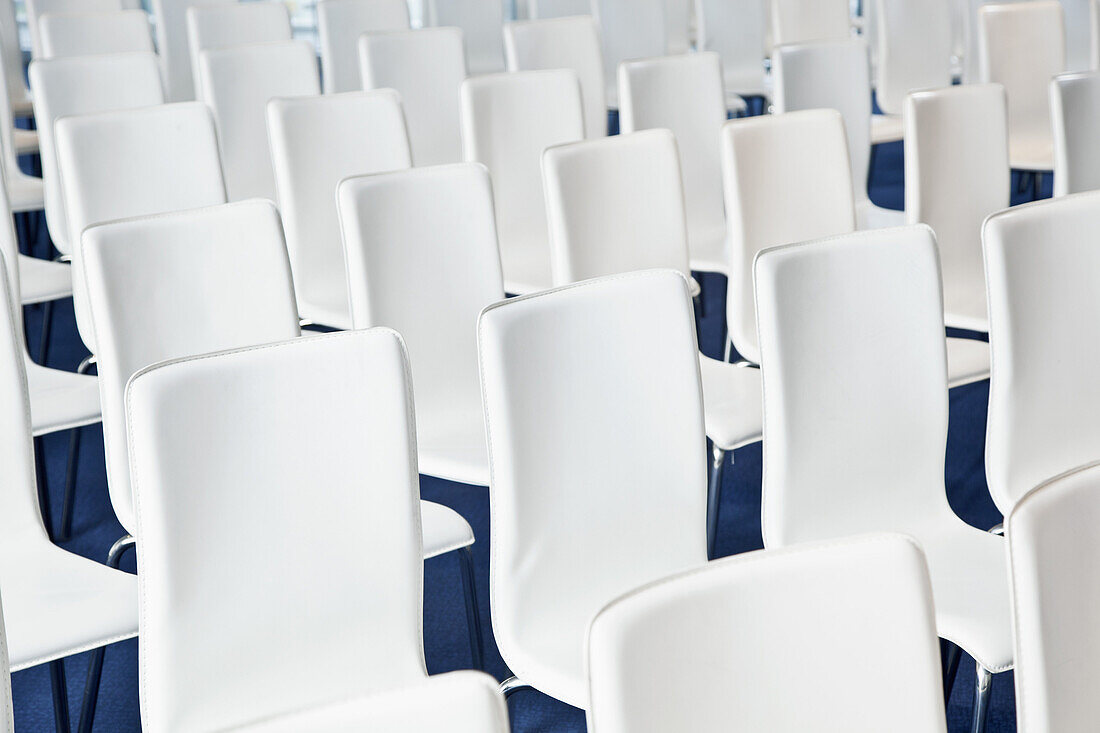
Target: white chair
430	289
1042	396
617	205
88	34
7	716
25	192
481	23
629	29
546	9
1052	542
914	47
35	9
712	650
11	59
802	21
508	120
837	437
563	43
1075	112
340	23
835	75
172	44
685	95
1080	26
611	364
204	502
1094	34
427	68
735	31
56	603
956	174
237	83
1006	30
238	24
315	143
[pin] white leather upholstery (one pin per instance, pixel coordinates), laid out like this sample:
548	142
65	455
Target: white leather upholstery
801	21
43	280
731	646
224	450
508	120
430	289
237	24
858	445
1043	317
563	43
78	86
735	30
315	143
564	372
86	33
1039	27
427	68
134	163
6	709
1080	27
957	174
685	94
914	49
629	29
24	192
481	23
35	9
237	83
172	44
1075	112
11	59
543	9
1052	547
340	23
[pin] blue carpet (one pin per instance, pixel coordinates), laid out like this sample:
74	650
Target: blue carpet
445	637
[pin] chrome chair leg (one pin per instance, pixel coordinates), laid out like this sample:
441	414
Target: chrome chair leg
951	655
473	616
512	685
714	497
981	699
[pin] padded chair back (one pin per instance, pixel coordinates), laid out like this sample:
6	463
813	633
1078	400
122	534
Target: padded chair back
667	656
855	385
1052	543
36	9
774	198
116	165
1075	113
9	253
914	49
629	29
7	711
89	34
237	83
615	205
239	24
173	45
481	23
735	31
563	43
610	363
194	298
684	94
802	21
427	68
1043	315
508	120
225	453
340	23
79	86
315	143
957	174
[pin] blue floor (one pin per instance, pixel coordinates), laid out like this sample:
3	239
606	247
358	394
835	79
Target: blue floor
96	529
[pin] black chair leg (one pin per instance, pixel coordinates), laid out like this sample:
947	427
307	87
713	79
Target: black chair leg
950	654
43	486
473	617
95	666
66	530
60	696
47	327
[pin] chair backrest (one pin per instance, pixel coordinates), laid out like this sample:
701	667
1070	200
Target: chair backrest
116	165
11	54
1079	21
711	650
7	711
340	23
427	68
914	49
956	174
432	287
88	34
239	24
173	46
229	487
1052	544
508	120
237	83
735	31
481	22
613	363
830	75
35	9
855	385
684	94
801	21
563	43
1075	114
78	86
193	300
544	9
315	143
629	29
615	205
774	198
1043	315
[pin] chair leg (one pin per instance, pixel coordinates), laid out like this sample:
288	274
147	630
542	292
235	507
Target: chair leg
47	326
981	699
871	166
43	486
512	685
66	530
714	497
473	616
1036	185
60	692
951	655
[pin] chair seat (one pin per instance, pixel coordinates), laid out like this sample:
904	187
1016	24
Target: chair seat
25	192
887	129
23	106
57	603
333	315
456	451
25	141
526	267
967	361
44	280
747	83
443	529
709	252
870	216
61	400
732	403
1031	153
